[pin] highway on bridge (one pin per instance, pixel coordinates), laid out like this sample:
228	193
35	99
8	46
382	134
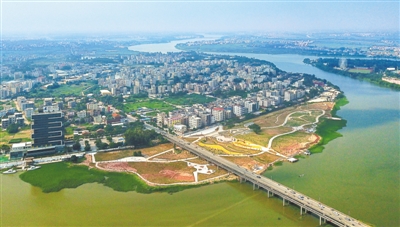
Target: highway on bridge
305	203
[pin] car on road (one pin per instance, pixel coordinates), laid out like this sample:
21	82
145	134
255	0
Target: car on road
258	176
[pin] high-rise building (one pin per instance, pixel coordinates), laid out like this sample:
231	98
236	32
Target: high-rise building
47	129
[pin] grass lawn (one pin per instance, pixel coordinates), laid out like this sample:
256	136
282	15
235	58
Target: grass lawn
3	158
363	71
24	135
71	90
190	99
149	103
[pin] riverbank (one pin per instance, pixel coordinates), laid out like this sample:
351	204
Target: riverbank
373	70
327	128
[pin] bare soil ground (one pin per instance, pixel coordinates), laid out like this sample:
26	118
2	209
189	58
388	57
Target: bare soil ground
108	156
246	162
218	172
175	156
291	144
116	167
164	173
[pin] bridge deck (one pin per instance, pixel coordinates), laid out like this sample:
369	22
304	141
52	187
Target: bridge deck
305	203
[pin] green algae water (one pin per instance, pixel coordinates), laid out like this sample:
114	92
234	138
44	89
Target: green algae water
223	204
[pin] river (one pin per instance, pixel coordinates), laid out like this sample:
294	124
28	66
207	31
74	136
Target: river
357	174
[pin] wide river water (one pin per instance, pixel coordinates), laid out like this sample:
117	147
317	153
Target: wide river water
358	174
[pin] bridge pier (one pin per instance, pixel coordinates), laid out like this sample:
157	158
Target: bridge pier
242	179
284	202
320	220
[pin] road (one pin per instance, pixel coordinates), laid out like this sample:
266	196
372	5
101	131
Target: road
306	204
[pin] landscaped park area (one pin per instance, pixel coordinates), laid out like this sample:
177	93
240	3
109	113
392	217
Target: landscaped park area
283	134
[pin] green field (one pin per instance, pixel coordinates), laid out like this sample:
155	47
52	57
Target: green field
57	176
24	135
70	90
62	90
3	158
149	103
189	99
364	71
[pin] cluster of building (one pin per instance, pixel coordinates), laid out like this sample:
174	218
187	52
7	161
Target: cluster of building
199	115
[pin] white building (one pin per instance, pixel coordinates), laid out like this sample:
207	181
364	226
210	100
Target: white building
194	122
239	110
180	129
81	114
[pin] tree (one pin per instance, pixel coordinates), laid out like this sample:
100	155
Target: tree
87	146
256	128
5	148
74	159
109	138
12	128
76	146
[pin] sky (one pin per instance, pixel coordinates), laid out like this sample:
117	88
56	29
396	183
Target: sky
202	16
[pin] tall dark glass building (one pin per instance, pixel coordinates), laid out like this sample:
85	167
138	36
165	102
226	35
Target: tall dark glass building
47	129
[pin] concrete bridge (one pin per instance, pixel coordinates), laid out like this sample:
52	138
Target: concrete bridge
288	195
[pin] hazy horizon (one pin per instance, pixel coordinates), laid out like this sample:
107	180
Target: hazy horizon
42	18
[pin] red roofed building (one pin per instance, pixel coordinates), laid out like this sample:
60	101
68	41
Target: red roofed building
218	113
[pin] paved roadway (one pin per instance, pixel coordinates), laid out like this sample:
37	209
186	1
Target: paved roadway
305	203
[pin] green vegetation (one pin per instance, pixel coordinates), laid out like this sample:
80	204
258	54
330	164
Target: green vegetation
3	158
299	156
15	140
12	128
278	163
328	128
57	176
341	101
189	99
148	103
69	130
139	137
256	129
57	90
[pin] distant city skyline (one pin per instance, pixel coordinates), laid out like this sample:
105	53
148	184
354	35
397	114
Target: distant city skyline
93	17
